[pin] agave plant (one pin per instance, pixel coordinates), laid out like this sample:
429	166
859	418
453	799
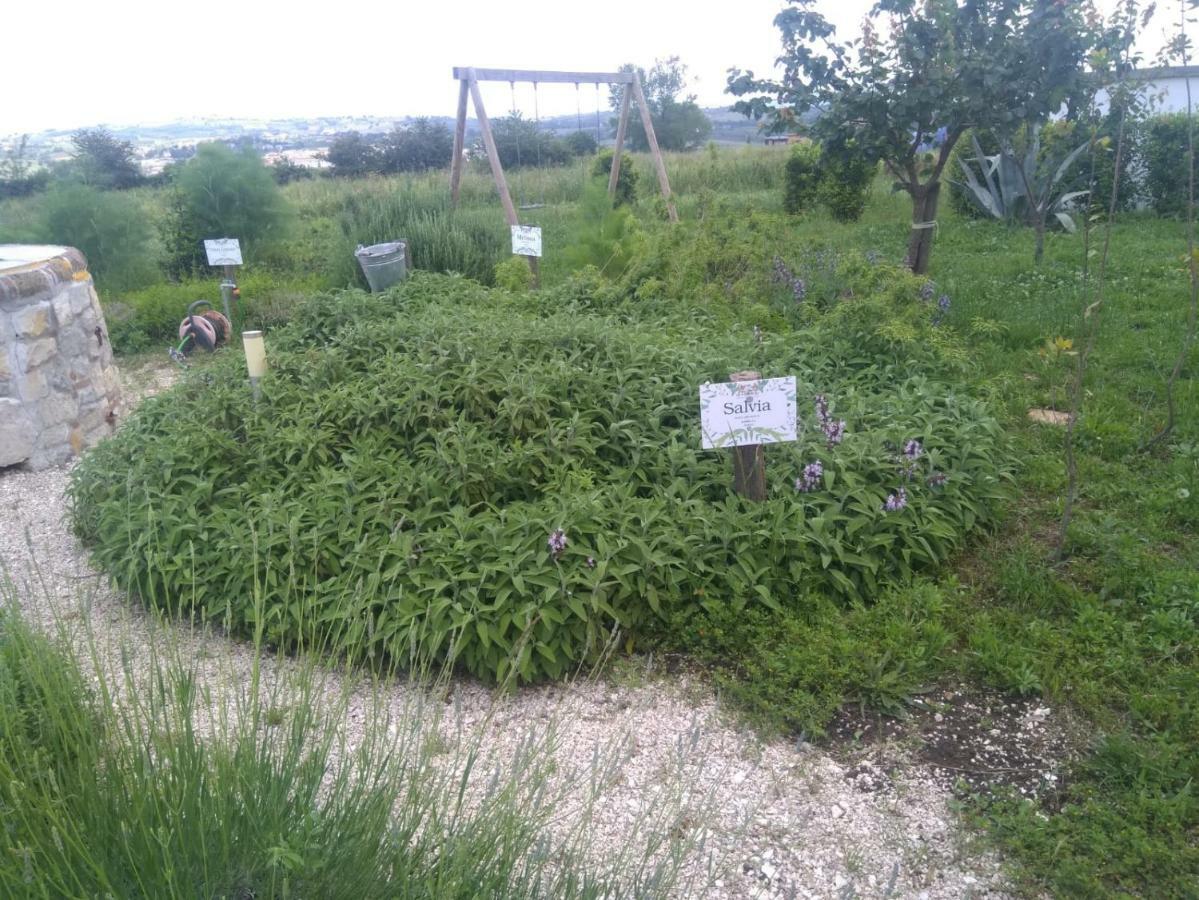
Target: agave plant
1015	187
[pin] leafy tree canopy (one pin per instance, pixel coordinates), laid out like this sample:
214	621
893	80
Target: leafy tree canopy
422	145
221	192
920	74
104	161
352	155
679	124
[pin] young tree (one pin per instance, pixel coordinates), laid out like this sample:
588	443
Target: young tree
678	124
520	142
110	228
581	143
222	193
352	155
104	161
417	147
18	178
1178	51
920	75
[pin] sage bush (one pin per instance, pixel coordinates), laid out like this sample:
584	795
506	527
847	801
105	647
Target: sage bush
513	482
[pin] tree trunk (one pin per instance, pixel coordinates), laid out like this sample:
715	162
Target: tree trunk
924	215
1039	251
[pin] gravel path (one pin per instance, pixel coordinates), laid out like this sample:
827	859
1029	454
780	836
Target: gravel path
777	819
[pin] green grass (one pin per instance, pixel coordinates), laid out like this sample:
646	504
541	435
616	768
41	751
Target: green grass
1110	632
128	775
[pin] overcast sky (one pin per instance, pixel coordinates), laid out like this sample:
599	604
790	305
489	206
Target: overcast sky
122	62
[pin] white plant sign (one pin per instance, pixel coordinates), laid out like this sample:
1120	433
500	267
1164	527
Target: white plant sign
737	413
223	252
526	240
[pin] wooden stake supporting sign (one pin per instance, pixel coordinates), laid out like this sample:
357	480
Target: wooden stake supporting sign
749	460
744	414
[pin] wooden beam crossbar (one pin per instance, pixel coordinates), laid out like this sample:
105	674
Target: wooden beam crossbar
540	76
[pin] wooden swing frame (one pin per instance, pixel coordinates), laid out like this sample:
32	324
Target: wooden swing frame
468	80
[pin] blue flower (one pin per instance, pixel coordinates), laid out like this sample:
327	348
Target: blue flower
897	501
912	449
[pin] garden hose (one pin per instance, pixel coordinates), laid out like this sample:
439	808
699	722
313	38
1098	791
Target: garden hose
207	330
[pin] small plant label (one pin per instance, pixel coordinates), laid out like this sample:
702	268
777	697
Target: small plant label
733	414
223	252
526	240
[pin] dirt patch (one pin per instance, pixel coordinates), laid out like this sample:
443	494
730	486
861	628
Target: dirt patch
971	742
1049	416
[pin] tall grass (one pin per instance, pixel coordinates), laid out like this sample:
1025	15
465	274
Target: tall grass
128	772
341	214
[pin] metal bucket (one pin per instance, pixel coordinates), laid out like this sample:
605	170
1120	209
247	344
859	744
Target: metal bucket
383	264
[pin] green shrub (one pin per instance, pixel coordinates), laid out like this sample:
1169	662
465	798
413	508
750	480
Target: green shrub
802	178
514	274
626	181
794	669
413	453
522	142
846	177
1165	156
581	143
112	230
728	264
222	193
604	235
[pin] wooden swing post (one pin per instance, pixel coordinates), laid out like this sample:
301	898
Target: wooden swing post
469	79
622	123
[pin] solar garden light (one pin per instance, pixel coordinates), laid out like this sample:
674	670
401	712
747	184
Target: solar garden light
255	348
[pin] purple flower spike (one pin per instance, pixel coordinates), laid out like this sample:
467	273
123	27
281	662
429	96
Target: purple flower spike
591	562
834	432
811	477
897	501
557	543
927	290
937	480
912	449
822	408
944	303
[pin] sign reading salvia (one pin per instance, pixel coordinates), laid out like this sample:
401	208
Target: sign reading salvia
738	413
223	252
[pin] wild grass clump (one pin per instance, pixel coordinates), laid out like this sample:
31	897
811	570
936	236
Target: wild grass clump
340	216
128	774
401	484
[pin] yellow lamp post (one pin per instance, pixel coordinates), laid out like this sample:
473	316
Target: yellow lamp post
255	349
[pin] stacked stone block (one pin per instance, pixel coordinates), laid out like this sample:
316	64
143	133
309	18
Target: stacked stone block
59	388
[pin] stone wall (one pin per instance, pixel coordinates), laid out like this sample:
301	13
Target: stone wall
59	389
